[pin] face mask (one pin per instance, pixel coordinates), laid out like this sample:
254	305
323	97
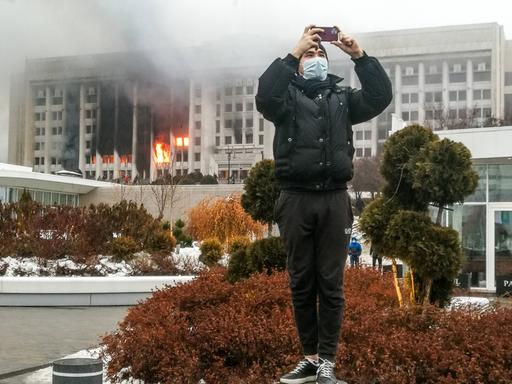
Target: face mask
315	68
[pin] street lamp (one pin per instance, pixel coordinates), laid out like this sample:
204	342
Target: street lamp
229	152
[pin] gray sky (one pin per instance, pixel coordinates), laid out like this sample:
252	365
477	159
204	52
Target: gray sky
44	28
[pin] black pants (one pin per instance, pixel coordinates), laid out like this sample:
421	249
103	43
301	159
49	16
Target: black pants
316	228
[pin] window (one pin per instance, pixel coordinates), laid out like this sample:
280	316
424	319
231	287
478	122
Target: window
452	114
54	130
218	110
248	137
238	123
414	115
239	107
462	113
197	157
250	90
486	112
197	124
88	129
438	96
54	145
477	94
88	159
262	125
414	97
217	126
36	160
409	71
227	140
57	115
405	98
453	95
462	95
197	109
217	141
429	97
359	135
37	131
368	135
486	94
197	140
261	139
457	68
359	152
367	152
228	91
248	123
228	124
481	67
37	146
239	90
429	114
405	116
88	144
249	106
228	108
54	161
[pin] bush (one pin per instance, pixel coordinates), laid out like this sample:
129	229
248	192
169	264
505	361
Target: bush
179	234
123	248
222	218
237	243
267	255
239	266
211	252
171	338
161	240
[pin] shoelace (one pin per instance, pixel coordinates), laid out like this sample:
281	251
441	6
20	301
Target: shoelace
302	364
326	369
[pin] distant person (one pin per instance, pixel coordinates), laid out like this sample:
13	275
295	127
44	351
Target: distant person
376	258
354	250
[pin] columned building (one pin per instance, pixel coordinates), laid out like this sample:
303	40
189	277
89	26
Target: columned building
108	115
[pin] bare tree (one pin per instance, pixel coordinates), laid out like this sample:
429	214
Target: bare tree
367	177
442	118
164	190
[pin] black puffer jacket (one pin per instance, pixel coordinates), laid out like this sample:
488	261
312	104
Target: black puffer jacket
313	142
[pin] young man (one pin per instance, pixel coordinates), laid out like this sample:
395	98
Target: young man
313	151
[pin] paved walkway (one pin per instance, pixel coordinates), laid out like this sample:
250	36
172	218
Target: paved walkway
32	336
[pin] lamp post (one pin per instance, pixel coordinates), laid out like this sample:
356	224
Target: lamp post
229	152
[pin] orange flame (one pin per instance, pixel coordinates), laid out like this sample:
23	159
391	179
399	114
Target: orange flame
162	153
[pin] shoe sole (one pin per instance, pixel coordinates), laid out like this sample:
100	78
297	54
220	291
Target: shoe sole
304	380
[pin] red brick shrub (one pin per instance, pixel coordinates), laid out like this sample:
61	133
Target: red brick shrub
244	333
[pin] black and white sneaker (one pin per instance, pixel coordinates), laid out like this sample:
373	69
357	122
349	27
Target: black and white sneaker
304	372
325	373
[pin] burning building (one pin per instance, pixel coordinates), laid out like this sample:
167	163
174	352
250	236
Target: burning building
110	116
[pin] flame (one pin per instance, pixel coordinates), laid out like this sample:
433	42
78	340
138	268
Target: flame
162	153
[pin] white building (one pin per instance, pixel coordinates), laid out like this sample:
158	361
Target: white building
444	77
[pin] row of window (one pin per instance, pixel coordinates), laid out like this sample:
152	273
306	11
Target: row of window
57	115
237	139
237	123
478	94
53	161
239	107
238	90
412	70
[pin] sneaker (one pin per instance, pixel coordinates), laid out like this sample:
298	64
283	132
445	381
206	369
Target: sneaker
304	372
325	373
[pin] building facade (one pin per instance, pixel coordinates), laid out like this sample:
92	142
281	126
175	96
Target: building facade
109	115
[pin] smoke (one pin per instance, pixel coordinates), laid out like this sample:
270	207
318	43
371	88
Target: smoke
223	32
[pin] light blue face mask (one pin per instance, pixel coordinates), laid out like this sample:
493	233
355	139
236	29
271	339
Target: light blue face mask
315	68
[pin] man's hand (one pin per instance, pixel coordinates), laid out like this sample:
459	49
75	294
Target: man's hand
309	39
348	44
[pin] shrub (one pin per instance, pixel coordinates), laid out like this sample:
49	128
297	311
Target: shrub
267	255
239	266
123	247
211	252
237	243
179	234
223	218
171	338
160	240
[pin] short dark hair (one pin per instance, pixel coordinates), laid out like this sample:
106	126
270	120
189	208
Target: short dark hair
320	46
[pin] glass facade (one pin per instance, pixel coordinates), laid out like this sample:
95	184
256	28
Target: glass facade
43	197
470	220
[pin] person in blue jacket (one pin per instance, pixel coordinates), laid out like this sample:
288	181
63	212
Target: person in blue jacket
354	250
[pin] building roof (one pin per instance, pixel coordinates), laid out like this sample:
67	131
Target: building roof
24	177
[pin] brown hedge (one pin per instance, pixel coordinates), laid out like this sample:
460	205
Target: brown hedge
244	333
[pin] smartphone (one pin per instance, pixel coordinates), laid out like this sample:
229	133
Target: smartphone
329	33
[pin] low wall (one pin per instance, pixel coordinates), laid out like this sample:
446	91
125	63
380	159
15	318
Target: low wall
81	291
185	197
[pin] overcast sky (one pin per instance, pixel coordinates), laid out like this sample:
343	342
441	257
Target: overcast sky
43	28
